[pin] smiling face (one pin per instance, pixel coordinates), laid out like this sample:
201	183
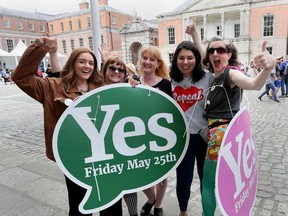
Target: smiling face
218	58
149	63
84	66
115	73
186	62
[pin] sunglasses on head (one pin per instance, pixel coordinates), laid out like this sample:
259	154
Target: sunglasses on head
219	50
120	70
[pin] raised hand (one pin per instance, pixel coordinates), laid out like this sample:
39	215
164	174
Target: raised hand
104	54
46	43
190	29
265	60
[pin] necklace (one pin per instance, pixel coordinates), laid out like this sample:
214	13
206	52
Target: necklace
83	91
84	88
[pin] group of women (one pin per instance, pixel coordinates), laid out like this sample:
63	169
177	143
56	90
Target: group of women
193	71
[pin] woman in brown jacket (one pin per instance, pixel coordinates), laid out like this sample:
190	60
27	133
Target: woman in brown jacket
79	75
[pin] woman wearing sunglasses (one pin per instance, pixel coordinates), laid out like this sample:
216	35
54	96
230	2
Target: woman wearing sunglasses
114	70
223	102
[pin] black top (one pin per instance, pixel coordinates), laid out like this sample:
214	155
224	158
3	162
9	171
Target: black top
223	102
165	86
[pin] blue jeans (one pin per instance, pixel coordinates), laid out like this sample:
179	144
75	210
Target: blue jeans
267	88
284	84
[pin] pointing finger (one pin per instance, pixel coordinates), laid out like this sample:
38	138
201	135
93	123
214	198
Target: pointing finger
264	46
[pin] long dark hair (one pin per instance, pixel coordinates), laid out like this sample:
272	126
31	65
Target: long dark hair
68	72
198	71
233	61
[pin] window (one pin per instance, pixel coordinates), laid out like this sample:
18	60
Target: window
89	22
51	28
19	25
269	49
81	44
72	44
10	44
90	42
268	25
6	24
62	26
79	24
202	34
31	27
171	35
70	25
64	46
113	20
236	30
42	28
171	57
218	31
102	39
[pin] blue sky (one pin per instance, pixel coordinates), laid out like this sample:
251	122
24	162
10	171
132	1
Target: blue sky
147	9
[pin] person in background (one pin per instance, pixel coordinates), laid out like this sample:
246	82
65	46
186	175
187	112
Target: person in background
131	69
79	75
154	72
284	77
188	76
270	85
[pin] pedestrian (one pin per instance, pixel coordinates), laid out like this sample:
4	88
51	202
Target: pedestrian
223	102
154	72
270	85
189	83
79	75
283	68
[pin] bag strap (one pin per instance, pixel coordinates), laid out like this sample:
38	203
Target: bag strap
216	124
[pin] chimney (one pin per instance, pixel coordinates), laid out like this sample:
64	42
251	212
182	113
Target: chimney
103	2
84	5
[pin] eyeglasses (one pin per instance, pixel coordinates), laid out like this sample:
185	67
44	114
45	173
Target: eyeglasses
113	69
219	50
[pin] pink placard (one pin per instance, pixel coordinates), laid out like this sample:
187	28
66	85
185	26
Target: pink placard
237	169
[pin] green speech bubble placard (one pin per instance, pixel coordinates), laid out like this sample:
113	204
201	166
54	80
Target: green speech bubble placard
117	139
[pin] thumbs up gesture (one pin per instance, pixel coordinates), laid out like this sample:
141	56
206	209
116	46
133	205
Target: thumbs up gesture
265	60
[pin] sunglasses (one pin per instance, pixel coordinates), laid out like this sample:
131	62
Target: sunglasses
113	69
219	50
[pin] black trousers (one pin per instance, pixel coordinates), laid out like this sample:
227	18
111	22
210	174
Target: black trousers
76	195
114	210
196	152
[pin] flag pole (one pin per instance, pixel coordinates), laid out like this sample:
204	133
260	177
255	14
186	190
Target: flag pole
96	30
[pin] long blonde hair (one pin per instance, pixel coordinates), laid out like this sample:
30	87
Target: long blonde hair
162	70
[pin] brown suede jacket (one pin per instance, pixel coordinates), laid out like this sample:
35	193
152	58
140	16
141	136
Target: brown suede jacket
48	91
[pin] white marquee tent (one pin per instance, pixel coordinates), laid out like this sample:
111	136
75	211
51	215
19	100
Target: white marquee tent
18	51
11	59
4	57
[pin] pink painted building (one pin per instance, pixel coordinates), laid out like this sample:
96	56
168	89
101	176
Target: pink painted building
246	23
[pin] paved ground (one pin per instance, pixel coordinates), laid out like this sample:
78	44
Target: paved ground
31	185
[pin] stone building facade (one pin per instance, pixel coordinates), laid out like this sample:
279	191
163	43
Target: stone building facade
247	23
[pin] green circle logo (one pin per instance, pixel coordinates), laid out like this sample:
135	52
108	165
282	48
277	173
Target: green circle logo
117	139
